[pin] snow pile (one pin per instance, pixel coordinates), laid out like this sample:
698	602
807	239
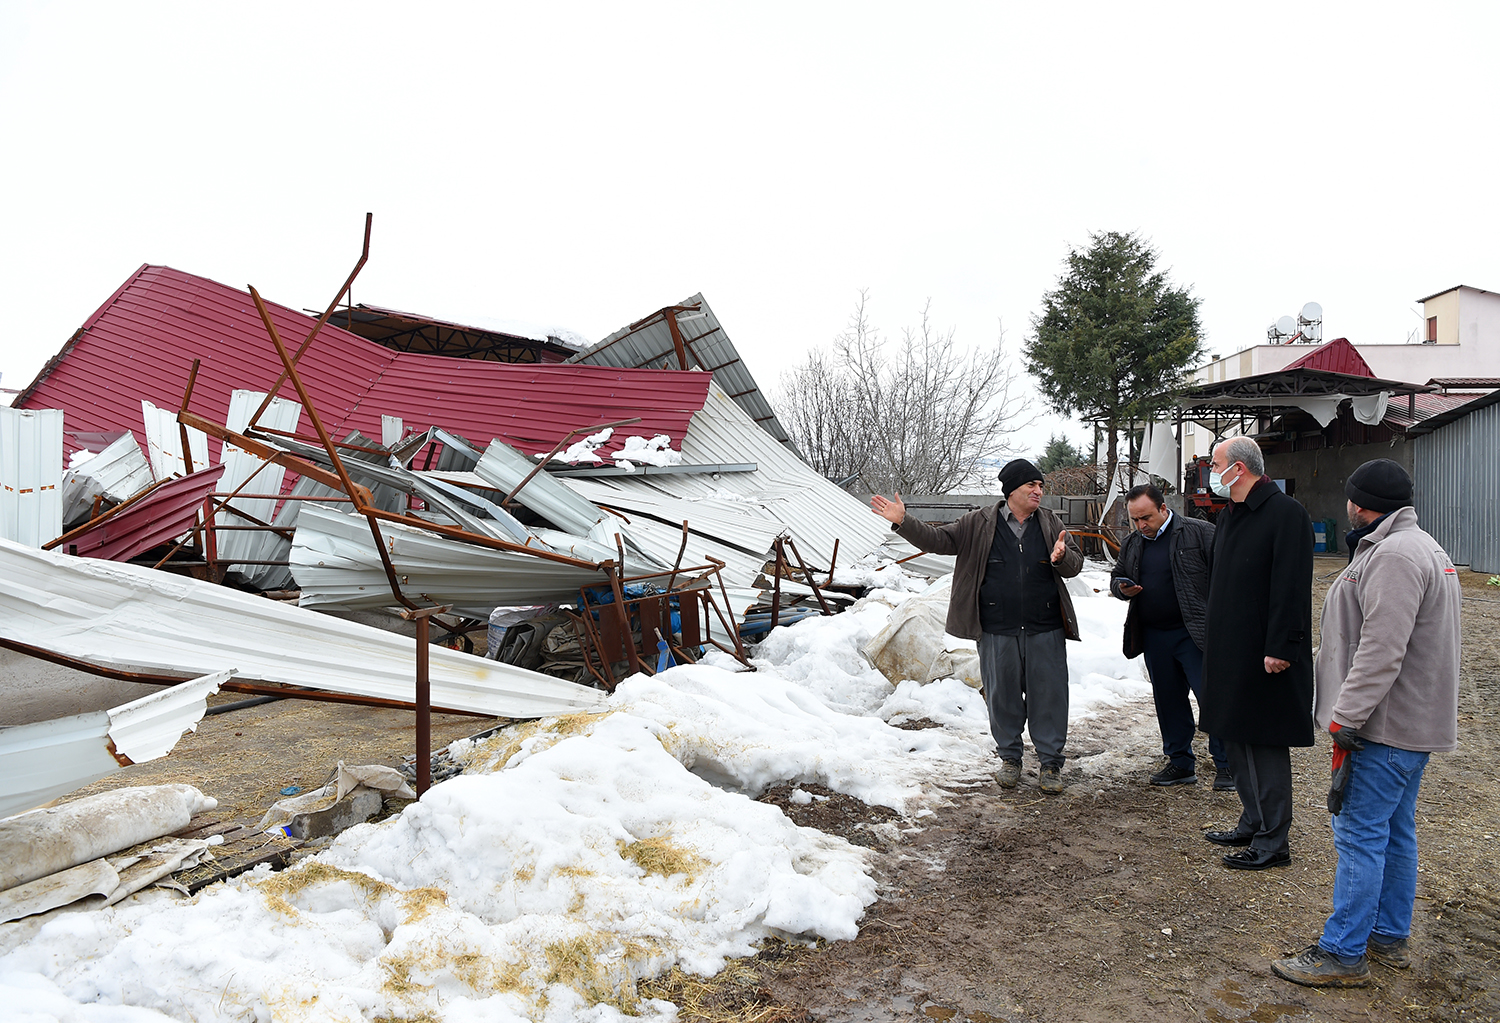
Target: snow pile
586	449
656	451
574	856
80	457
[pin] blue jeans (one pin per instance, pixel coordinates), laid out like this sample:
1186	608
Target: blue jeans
1375	885
1176	667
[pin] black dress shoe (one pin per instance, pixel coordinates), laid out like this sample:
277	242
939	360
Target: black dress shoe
1223	781
1256	859
1228	837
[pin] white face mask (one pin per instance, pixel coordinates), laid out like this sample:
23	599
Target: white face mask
1217	485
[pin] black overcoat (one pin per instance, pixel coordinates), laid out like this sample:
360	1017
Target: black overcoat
1259	606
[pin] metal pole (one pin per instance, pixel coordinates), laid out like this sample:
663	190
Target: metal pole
424	695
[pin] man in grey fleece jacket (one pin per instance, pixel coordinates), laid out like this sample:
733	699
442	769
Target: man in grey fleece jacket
1387	688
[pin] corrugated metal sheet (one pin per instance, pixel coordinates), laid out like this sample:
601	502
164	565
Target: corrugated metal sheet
140	345
742	524
47	759
130	618
1456	487
708	348
503	467
160	517
117	472
242	545
336	564
164	442
31	468
1399	412
814	511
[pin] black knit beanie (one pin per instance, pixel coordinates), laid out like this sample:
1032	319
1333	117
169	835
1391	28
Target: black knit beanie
1016	472
1380	485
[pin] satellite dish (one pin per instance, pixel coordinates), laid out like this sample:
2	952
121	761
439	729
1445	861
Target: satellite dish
1286	326
1312	313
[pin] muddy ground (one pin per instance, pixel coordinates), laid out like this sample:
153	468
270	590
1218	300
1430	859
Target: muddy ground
1102	904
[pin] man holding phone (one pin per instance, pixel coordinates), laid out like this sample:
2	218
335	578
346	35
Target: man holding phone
1163	571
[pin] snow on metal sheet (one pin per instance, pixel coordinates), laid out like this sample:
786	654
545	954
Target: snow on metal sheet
130	618
164	442
237	546
335	563
31	469
48	759
503	467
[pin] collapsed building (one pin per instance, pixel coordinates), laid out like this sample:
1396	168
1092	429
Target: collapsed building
194	449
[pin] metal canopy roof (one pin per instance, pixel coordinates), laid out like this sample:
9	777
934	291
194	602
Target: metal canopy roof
142	342
1253	394
413	332
649	343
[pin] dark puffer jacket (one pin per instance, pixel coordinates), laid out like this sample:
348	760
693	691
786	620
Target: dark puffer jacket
1191	550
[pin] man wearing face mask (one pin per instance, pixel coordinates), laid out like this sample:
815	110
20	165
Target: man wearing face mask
1387	681
1009	594
1257	661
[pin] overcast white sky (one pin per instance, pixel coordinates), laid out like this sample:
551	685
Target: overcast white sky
586	164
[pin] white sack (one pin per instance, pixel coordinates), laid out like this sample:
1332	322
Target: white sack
914	644
45	841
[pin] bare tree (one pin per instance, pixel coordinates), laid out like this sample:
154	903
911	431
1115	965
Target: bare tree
918	416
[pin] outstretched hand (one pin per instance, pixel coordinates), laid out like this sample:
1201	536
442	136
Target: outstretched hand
893	510
1061	547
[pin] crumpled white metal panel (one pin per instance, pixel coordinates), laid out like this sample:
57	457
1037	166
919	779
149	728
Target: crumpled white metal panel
503	467
741	524
239	466
47	759
164	442
30	475
118	472
814	510
335	563
131	618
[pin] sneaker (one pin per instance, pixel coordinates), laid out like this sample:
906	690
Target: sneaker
1009	774
1051	781
1314	967
1223	780
1394	953
1174	775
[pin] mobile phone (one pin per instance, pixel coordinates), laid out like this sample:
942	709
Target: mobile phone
1124	581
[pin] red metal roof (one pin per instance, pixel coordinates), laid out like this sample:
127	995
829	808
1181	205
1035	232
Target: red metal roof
1337	356
142	342
160	517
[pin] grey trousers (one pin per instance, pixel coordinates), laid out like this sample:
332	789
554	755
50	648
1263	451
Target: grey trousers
1263	779
1026	684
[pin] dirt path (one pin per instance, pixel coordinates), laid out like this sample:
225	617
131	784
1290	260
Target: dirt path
1105	904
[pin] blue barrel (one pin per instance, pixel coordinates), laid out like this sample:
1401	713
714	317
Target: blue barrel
1320	537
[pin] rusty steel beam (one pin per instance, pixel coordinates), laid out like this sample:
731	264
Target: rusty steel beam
364	255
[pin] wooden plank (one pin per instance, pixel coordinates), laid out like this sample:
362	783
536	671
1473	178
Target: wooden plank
244	847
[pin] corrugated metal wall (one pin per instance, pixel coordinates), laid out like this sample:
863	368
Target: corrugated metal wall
31	447
1457	483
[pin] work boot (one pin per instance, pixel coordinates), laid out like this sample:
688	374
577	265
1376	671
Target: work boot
1174	775
1223	780
1009	775
1051	780
1314	967
1394	953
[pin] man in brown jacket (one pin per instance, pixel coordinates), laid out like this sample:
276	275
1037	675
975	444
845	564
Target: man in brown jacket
1009	595
1387	688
